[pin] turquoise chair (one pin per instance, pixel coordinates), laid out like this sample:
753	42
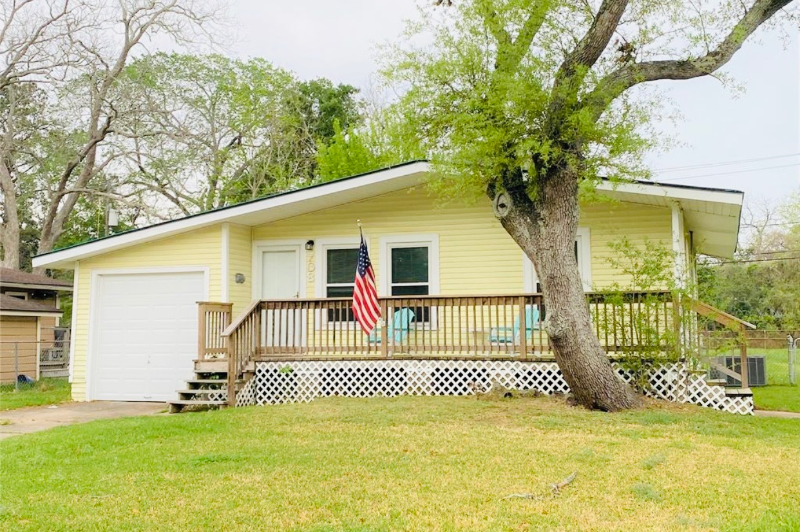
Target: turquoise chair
401	323
507	335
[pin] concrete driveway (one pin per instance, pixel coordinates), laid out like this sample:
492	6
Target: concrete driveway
34	419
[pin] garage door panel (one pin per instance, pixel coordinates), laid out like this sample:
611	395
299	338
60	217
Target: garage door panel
146	334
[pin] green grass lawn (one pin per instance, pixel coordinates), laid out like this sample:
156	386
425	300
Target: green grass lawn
407	463
777	398
778	395
44	392
777	361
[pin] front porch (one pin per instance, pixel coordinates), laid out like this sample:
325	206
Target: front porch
298	349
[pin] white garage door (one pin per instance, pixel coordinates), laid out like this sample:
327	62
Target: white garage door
144	335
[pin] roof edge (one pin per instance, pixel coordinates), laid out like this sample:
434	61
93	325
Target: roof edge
63	257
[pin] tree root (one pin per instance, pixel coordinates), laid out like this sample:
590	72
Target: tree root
555	490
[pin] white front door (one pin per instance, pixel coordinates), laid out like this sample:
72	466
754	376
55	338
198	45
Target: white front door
280	279
280	273
144	334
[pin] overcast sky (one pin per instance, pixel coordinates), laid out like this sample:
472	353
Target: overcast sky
337	39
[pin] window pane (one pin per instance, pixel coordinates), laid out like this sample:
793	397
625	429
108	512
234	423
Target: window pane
341	265
410	265
340	291
345	313
412	290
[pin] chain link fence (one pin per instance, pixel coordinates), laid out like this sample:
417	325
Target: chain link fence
779	349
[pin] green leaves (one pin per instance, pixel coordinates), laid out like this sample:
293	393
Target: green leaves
216	131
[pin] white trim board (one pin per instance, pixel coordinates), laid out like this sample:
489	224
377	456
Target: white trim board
225	262
94	294
73	322
48	287
31	313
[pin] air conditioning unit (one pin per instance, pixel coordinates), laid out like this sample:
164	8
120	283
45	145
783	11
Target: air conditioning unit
756	370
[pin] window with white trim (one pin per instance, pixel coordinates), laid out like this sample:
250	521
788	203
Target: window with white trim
339	278
410	267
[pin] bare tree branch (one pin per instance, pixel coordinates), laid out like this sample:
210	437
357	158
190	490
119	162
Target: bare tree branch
627	76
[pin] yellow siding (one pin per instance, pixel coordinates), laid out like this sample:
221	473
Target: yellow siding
198	248
240	258
608	222
476	255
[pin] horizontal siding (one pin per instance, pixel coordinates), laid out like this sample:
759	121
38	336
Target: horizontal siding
608	222
200	248
19	330
476	255
240	258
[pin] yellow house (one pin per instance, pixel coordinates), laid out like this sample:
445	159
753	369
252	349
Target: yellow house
280	268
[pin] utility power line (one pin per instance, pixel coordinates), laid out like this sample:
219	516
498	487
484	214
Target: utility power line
731	172
773	259
774	224
776	252
724	163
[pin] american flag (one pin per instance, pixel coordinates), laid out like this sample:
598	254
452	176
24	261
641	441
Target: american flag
365	297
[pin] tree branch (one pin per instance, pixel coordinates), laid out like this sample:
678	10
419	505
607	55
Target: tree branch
591	47
625	77
578	62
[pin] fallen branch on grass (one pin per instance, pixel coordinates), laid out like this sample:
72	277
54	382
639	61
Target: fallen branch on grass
555	490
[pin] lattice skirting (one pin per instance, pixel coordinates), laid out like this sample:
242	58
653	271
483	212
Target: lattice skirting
302	381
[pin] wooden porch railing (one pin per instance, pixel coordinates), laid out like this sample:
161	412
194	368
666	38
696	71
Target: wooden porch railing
497	326
707	344
212	320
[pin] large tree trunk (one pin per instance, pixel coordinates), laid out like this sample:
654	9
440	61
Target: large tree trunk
545	229
10	230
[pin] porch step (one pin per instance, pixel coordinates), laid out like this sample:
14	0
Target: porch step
208	381
217	366
738	392
201	391
716	382
210	366
210	377
177	406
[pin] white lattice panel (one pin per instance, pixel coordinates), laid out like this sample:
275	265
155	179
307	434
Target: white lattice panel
302	381
246	396
696	390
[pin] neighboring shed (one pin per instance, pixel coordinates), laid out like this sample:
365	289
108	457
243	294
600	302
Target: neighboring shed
29	315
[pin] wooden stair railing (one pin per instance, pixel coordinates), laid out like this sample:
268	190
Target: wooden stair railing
243	338
732	323
212	319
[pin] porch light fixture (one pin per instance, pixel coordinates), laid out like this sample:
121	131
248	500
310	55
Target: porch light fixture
239	278
310	245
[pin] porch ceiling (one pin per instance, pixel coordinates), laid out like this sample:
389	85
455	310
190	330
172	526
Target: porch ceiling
711	215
